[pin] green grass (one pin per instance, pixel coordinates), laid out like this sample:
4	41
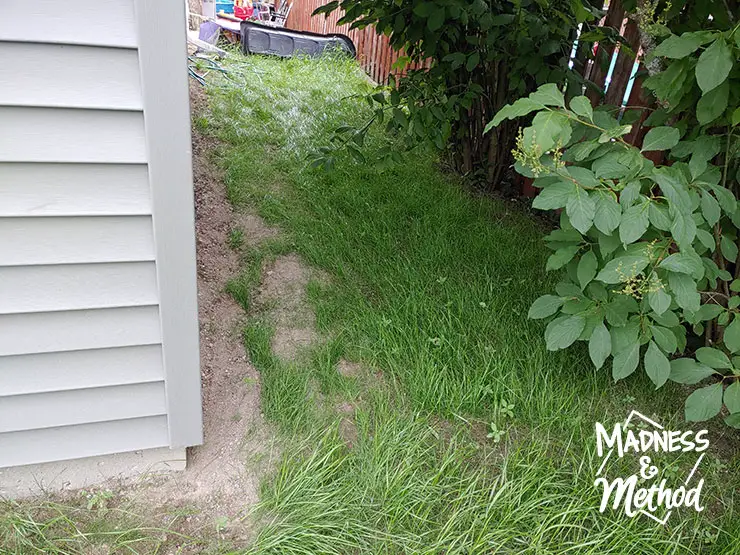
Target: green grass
85	524
431	285
402	489
428	287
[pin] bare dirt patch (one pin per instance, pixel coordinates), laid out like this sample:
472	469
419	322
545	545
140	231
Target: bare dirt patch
222	478
349	369
254	228
282	296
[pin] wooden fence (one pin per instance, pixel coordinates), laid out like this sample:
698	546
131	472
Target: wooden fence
622	76
615	73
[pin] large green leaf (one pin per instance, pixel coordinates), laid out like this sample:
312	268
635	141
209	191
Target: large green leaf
520	108
581	151
673	187
586	270
625	362
473	61
678	47
733	420
659	300
732	335
714	358
710	208
583	176
625	335
664	338
728	248
436	19
714	65
704	403
549	95
732	397
582	106
713	104
706	239
608	243
688	371
669	84
705	148
661	138
659	216
600	345
656	365
548	128
563	331
554	196
618	310
608	212
634	224
581	209
726	199
630	193
684	263
561	257
545	306
611	166
709	312
684	291
683	229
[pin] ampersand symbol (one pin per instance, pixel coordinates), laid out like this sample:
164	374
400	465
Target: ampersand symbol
647	470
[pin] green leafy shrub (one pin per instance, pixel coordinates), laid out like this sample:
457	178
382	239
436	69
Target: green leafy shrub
650	251
478	56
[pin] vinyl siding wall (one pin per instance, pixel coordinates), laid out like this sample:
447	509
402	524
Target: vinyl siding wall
82	370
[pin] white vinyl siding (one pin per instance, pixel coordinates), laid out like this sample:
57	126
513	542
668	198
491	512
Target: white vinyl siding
83	77
83	440
66	408
69	240
84	363
74	190
45	372
71	135
86	22
77	286
46	332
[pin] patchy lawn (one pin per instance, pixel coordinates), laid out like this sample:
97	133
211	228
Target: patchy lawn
415	407
455	430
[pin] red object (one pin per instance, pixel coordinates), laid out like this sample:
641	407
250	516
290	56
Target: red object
242	12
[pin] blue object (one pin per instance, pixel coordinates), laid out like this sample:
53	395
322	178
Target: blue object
227	7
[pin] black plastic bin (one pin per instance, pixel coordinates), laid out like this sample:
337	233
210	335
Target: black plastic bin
260	39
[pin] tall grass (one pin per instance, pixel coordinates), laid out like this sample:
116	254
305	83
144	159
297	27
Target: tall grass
430	286
402	489
79	527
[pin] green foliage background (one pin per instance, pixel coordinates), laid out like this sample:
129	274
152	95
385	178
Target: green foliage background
650	251
478	56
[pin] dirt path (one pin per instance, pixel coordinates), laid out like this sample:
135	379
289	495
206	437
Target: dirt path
220	484
222	476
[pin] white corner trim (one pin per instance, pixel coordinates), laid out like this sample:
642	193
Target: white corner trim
164	81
